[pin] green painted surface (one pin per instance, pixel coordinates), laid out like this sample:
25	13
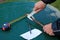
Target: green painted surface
55	4
13	10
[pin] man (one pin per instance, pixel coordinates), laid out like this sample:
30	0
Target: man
52	29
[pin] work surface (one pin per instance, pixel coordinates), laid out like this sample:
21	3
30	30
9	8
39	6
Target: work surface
13	10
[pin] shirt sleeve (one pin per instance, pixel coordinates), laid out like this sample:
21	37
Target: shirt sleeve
56	27
48	1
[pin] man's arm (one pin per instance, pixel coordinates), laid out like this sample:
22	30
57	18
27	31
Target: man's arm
53	29
40	5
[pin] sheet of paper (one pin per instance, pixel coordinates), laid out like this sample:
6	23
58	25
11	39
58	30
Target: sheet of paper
34	34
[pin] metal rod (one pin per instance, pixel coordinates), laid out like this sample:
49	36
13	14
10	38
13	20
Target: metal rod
29	26
37	22
20	18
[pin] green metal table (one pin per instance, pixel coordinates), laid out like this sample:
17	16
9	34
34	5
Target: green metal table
12	10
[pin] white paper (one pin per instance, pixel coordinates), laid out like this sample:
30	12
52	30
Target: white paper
34	34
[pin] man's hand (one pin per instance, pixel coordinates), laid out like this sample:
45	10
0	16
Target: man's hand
39	6
48	29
